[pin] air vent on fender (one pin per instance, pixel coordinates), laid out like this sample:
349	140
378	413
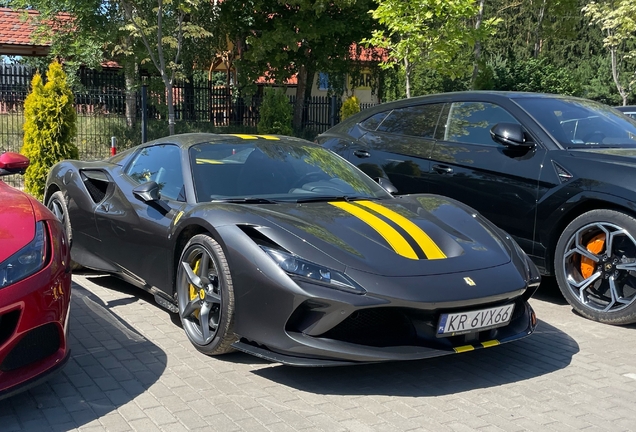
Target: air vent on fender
96	183
564	175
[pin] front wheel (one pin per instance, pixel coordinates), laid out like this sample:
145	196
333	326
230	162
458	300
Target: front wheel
57	204
595	266
206	296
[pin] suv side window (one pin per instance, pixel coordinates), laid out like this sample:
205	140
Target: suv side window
161	164
419	121
470	122
372	122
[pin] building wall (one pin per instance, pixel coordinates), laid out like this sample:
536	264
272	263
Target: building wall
362	88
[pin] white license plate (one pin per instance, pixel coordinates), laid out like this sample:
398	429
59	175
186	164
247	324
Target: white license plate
467	322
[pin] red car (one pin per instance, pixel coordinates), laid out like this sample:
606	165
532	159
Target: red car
35	287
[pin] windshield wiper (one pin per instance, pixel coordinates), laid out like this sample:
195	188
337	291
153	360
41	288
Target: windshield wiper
331	198
247	200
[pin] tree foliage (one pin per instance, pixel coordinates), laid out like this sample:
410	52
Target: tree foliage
530	75
275	113
428	32
617	19
300	37
49	127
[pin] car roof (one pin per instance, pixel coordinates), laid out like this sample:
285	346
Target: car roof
189	139
626	108
486	95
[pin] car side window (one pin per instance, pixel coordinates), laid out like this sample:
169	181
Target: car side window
161	164
419	121
372	122
470	122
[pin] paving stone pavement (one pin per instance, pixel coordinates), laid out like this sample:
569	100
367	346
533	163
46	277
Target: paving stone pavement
133	369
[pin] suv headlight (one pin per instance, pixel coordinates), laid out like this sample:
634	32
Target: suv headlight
298	267
27	261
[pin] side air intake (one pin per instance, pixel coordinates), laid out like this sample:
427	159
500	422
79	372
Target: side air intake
564	175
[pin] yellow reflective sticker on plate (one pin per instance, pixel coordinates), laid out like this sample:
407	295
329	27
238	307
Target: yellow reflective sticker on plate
490	343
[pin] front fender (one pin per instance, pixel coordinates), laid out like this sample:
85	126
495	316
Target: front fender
559	218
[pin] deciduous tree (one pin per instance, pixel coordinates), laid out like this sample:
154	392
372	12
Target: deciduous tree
617	19
431	32
300	37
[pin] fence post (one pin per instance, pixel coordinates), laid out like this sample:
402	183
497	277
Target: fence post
144	113
332	112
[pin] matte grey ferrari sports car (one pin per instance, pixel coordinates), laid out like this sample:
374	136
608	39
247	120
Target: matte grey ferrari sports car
280	248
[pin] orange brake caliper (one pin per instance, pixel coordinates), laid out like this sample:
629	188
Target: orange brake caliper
594	246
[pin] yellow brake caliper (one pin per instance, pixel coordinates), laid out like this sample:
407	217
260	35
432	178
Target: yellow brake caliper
594	246
194	292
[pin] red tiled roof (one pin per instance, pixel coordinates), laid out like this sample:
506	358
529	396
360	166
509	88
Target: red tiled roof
16	31
367	54
293	80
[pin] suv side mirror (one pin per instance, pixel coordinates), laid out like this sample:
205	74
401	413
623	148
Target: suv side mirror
13	163
510	135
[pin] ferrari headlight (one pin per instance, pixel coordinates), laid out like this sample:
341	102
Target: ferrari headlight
299	267
27	261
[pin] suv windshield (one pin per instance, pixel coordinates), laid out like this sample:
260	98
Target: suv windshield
262	171
579	123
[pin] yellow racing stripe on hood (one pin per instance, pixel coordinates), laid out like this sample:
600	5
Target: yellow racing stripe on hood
390	234
429	247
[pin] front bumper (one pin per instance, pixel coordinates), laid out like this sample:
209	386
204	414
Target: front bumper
320	351
303	324
34	323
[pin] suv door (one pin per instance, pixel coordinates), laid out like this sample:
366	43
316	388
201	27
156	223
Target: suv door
498	181
398	146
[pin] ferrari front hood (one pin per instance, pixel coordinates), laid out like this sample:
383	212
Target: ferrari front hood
17	222
409	236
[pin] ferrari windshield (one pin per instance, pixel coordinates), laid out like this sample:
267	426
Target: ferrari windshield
273	170
579	123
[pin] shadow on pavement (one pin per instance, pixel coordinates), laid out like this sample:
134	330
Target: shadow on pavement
111	364
549	291
545	351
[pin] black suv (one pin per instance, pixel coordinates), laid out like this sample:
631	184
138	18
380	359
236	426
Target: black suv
557	173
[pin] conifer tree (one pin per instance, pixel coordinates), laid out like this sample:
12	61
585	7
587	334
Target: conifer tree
49	127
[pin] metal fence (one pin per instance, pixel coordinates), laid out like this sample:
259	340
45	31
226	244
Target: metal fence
100	103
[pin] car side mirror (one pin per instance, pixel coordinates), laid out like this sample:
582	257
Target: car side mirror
147	192
13	163
510	135
386	184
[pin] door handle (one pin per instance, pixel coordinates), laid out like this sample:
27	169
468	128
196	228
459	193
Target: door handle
362	153
442	169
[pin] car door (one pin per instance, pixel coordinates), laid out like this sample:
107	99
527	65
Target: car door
500	182
134	233
399	146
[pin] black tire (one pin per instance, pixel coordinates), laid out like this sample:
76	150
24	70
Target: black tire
599	283
205	287
59	207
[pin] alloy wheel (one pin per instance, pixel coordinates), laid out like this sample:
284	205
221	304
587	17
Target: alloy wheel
200	295
599	263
